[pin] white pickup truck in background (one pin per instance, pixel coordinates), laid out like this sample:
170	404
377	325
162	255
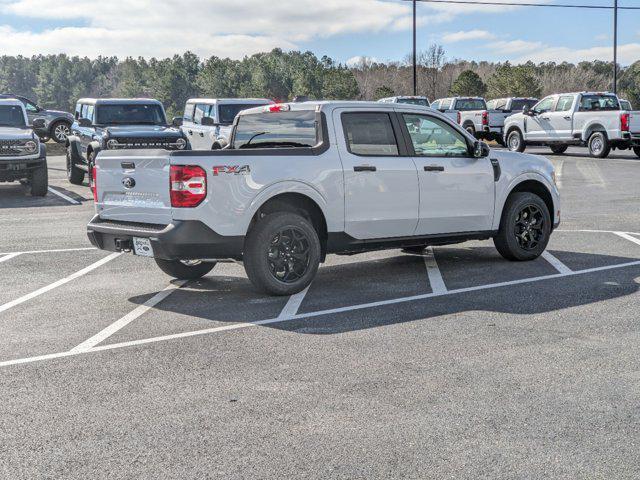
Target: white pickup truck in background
472	114
584	118
409	100
207	121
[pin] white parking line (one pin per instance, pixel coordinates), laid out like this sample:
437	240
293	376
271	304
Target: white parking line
63	196
128	318
236	326
55	250
293	304
45	289
435	277
8	256
626	236
555	263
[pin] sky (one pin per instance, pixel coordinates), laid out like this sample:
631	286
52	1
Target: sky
345	30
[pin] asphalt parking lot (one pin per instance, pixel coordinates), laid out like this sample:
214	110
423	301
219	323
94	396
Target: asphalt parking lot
454	364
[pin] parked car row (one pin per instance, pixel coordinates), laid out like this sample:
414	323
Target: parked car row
55	125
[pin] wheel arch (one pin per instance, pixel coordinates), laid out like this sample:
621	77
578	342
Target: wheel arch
299	203
591	129
537	187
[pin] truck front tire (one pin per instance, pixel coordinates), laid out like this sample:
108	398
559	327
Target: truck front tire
74	174
39	181
599	146
282	253
60	130
515	141
185	270
559	149
525	227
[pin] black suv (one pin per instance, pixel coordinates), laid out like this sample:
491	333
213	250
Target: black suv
115	124
56	123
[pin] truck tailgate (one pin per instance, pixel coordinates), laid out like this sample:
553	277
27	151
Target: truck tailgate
634	122
133	186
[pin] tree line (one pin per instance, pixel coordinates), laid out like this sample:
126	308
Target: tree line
57	81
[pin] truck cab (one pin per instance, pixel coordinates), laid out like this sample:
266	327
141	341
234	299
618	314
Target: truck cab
22	157
117	124
207	122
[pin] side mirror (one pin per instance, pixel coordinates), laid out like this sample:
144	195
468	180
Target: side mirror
177	121
85	122
39	124
207	122
480	150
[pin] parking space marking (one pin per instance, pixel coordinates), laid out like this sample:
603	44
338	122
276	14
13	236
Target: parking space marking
129	317
624	235
382	303
63	196
47	288
555	263
55	250
292	306
8	256
433	272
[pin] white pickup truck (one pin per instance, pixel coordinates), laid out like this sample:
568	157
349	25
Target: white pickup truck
585	118
411	100
207	121
473	115
300	181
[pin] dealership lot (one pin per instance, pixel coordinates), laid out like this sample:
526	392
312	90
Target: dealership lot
390	365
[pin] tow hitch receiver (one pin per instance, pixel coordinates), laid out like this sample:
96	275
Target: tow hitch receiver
124	245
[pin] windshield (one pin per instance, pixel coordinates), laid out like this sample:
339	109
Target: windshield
590	103
134	114
11	116
470	104
273	130
519	104
414	101
227	113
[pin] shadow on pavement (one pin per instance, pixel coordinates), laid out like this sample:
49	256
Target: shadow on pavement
232	299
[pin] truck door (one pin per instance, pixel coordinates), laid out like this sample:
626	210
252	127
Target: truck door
538	125
381	181
561	118
457	190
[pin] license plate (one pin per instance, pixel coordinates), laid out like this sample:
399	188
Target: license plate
142	247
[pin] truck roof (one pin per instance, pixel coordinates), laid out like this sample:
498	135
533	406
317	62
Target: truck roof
11	102
330	105
118	101
231	101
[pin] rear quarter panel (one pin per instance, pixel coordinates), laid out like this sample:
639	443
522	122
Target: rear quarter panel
586	123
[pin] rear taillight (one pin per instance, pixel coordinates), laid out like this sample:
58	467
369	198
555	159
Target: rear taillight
459	118
485	118
188	186
94	183
624	122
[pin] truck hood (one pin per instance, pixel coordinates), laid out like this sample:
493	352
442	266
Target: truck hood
143	131
11	133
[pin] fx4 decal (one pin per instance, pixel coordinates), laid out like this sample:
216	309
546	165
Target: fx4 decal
232	169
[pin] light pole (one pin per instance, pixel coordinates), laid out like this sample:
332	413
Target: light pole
415	53
615	46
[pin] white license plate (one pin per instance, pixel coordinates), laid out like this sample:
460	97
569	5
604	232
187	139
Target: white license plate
142	247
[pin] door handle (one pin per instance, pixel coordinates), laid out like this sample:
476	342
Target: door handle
201	134
434	168
567	117
364	168
190	132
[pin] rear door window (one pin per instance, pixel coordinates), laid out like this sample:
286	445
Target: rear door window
564	103
370	134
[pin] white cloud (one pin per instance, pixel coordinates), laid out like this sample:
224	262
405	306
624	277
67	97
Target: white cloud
207	27
463	36
361	60
510	47
627	54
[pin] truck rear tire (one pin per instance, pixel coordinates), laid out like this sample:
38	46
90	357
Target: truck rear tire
185	270
599	146
525	227
515	141
40	181
74	174
636	150
559	149
282	253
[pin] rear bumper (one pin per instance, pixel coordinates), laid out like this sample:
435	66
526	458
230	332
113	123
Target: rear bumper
19	168
180	240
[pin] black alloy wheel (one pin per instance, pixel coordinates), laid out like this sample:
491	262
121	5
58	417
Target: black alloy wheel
529	227
289	254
